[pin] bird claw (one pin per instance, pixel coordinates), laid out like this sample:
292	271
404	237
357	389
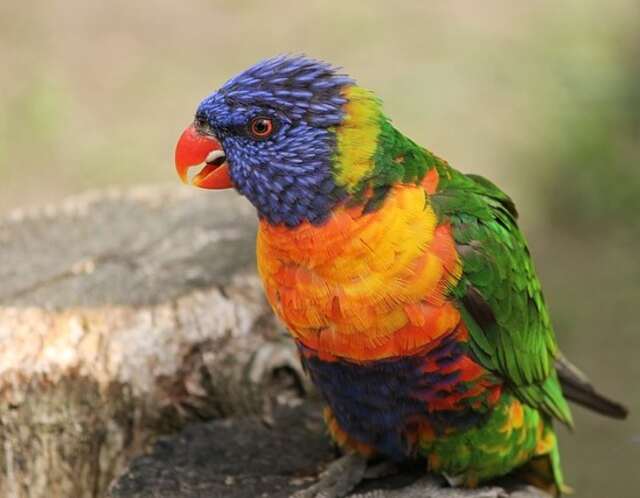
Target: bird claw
340	477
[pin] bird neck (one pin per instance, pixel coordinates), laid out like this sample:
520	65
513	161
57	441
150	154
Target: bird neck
372	156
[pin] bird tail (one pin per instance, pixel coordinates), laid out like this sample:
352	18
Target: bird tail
577	388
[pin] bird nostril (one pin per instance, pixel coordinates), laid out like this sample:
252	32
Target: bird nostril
216	158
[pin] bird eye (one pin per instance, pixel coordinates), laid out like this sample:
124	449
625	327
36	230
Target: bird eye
261	128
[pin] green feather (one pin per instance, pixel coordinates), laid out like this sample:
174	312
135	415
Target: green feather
518	343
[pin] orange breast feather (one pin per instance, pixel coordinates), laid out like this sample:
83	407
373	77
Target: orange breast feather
364	287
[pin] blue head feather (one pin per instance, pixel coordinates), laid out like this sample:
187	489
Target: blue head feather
288	177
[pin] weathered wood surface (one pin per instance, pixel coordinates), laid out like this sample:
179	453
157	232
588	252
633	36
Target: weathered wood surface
244	458
124	315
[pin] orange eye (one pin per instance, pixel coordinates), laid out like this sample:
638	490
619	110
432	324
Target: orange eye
261	128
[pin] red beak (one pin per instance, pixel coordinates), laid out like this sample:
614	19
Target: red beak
195	149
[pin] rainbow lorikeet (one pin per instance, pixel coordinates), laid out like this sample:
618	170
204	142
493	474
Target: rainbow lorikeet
406	284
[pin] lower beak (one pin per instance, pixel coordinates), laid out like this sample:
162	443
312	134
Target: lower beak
196	149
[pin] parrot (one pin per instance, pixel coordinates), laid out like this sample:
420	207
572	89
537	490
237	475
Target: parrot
407	285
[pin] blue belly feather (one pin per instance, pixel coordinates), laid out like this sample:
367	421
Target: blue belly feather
378	402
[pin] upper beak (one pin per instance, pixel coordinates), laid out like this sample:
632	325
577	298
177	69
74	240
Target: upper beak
194	149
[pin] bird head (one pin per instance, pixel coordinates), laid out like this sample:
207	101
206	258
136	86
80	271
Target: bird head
282	133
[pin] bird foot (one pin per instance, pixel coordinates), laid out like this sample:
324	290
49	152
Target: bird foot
340	477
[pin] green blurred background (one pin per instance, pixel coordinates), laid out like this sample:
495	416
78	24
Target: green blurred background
542	97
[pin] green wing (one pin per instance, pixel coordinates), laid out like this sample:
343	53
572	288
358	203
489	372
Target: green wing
499	294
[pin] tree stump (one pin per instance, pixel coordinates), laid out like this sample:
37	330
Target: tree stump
124	315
